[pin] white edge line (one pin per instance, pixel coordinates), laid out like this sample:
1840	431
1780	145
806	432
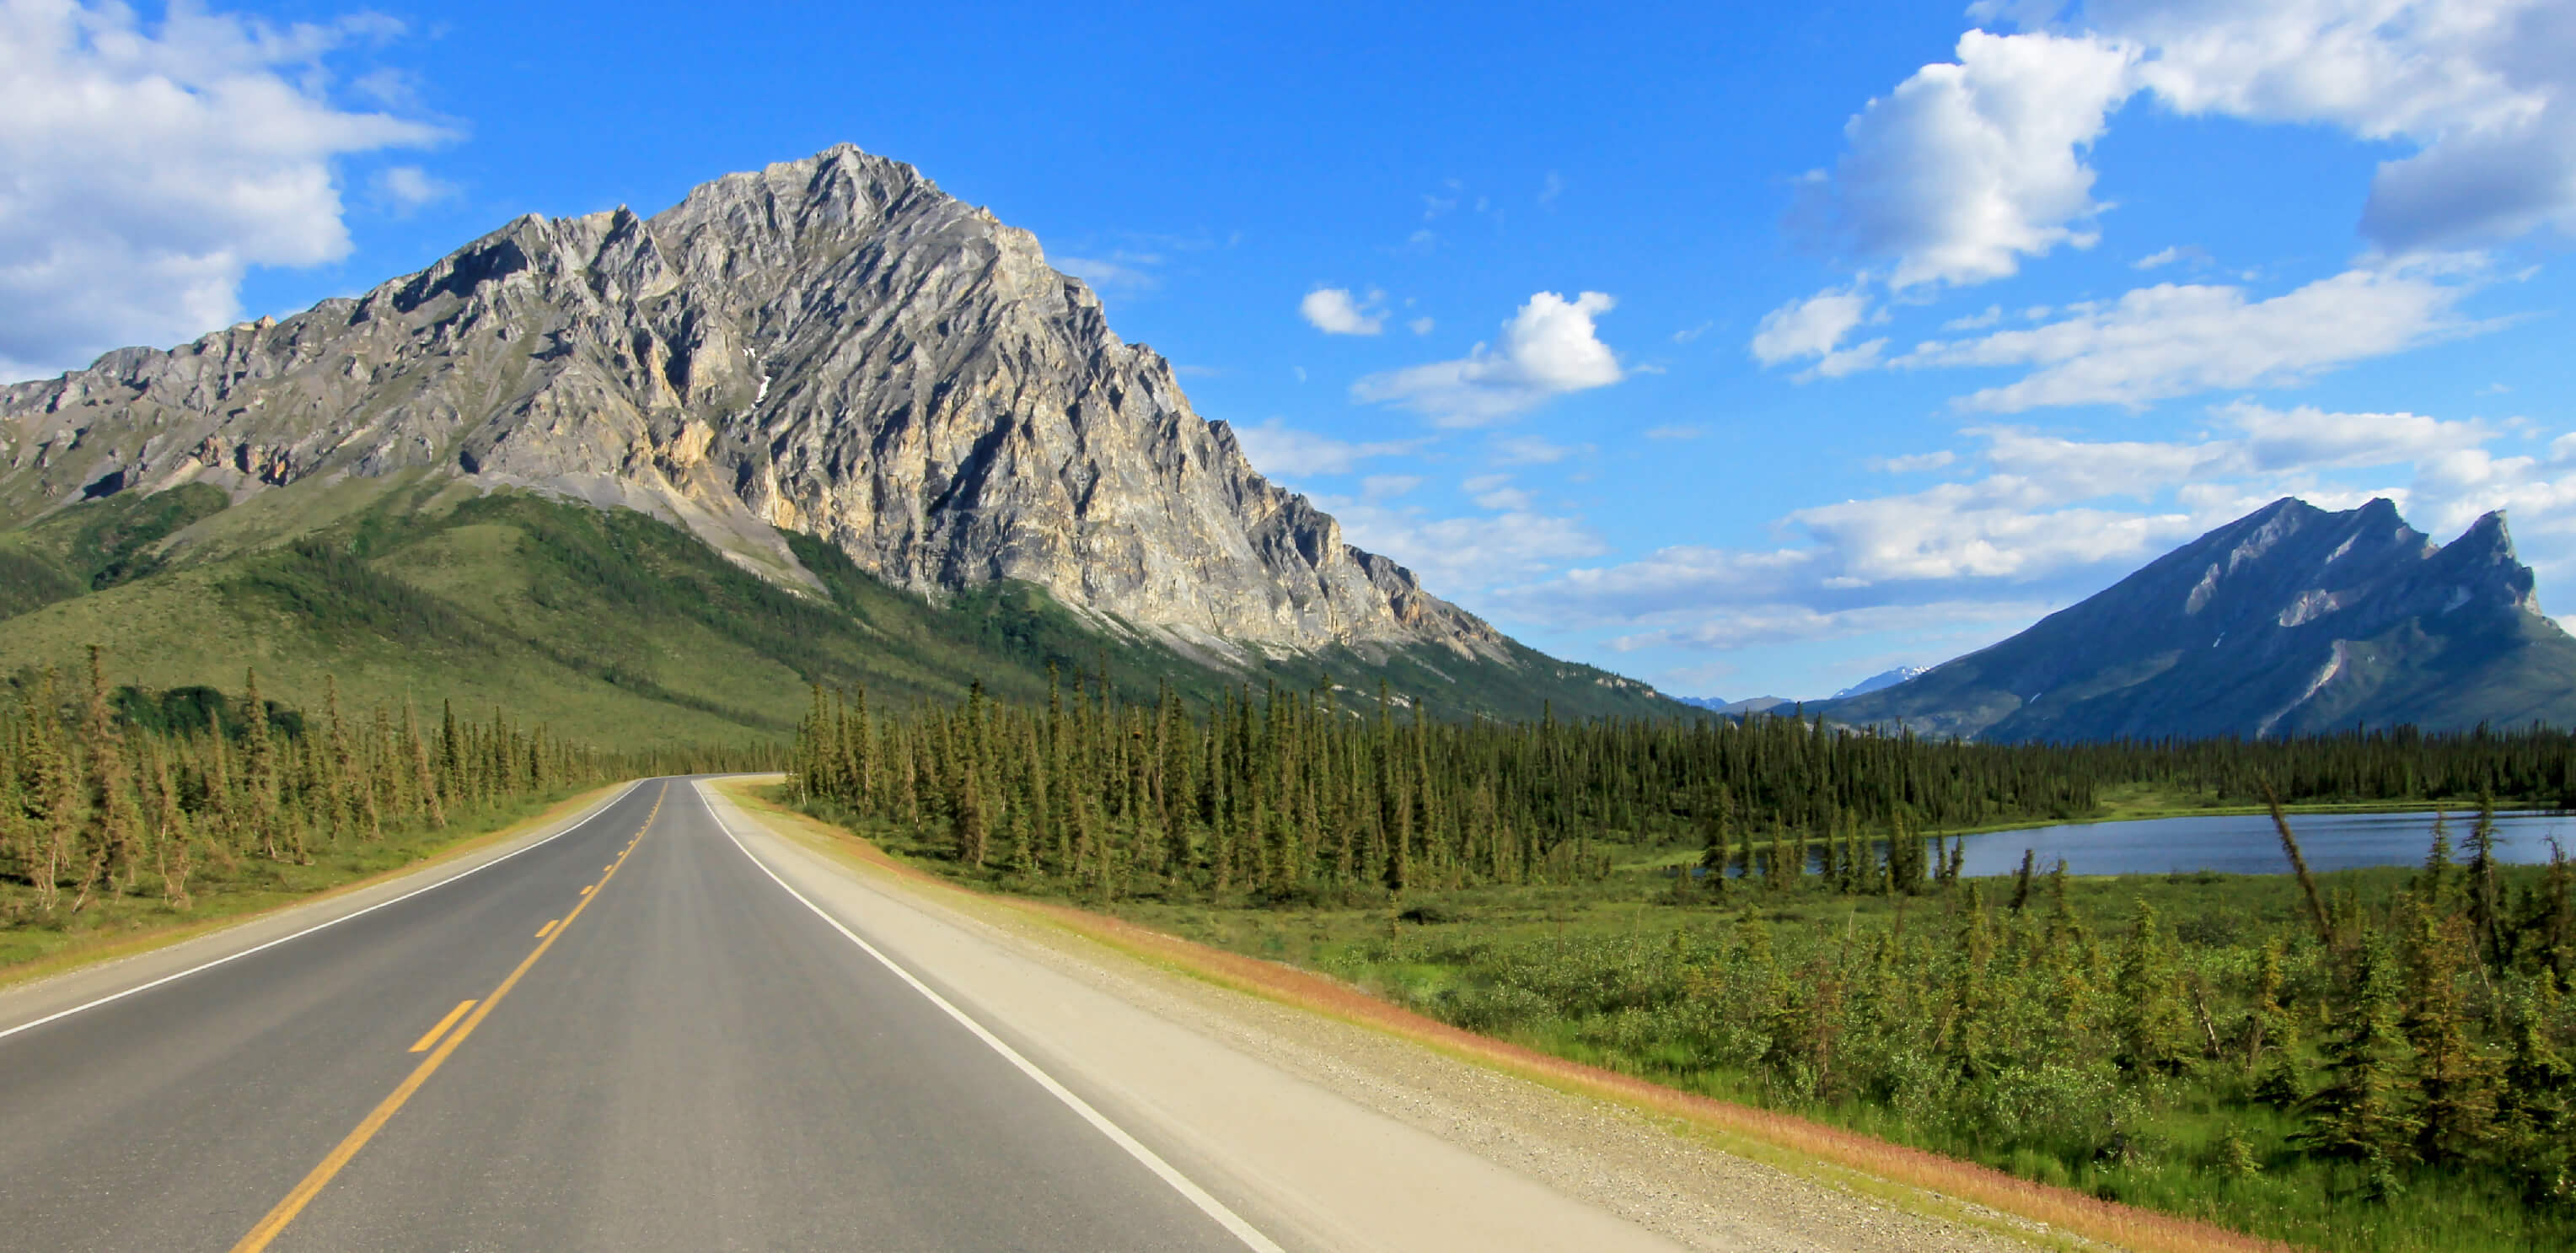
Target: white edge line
578	824
1212	1207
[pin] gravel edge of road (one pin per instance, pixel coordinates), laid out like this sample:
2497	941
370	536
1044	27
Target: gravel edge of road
1653	1170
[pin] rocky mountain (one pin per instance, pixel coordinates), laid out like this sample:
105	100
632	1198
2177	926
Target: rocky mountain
1880	681
832	346
2290	620
829	352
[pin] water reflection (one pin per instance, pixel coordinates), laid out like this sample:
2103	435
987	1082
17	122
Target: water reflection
2246	844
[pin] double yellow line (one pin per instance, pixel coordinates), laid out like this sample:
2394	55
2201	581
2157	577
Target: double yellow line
321	1175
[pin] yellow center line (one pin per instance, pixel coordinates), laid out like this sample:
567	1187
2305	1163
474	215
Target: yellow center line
340	1154
422	1046
541	931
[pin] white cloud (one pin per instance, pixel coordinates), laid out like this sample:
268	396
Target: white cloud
144	168
1420	326
1496	492
1914	463
408	187
1388	486
2484	90
1333	311
1464	555
1281	451
1550	189
1970	166
2168	255
1733	628
1808	328
1834	365
1120	271
1549	349
2170	340
1529	450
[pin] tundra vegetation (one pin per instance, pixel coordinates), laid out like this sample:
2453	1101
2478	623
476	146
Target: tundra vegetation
2371	1059
124	810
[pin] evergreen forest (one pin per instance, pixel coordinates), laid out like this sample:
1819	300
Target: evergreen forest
2372	1059
123	809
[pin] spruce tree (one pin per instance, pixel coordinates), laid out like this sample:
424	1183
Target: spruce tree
2363	1111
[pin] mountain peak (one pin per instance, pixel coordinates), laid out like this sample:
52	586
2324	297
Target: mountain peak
2289	618
829	345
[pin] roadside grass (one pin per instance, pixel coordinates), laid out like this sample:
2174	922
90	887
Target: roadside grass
120	925
1297	957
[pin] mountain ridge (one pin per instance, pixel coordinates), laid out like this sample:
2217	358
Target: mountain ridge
2289	620
831	345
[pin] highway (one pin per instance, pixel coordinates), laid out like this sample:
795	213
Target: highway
630	1036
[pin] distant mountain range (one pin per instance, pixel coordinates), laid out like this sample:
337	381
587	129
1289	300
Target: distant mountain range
2291	620
1880	681
1719	704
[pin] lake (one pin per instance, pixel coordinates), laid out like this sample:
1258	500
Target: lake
2246	844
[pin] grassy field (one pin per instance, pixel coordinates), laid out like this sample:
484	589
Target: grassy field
1953	1022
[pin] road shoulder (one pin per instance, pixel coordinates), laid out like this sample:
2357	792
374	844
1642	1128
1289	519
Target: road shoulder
1533	1165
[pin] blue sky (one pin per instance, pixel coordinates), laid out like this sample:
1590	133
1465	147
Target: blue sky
1746	352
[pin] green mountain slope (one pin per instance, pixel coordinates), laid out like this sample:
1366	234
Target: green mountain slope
611	625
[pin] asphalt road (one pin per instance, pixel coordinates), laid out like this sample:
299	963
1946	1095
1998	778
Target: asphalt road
687	1059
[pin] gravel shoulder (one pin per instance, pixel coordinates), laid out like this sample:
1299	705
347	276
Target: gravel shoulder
1332	1134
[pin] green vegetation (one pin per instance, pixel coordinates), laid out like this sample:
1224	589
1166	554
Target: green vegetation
609	624
126	810
96	544
2369	1060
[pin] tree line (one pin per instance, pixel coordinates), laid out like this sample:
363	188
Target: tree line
117	792
1286	794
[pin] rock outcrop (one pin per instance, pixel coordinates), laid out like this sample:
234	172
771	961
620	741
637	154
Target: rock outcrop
2290	620
831	345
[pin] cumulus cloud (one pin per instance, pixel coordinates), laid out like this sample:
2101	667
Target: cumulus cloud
409	187
1970	166
144	168
1334	311
1458	556
1808	328
1549	348
2154	343
2484	90
1281	451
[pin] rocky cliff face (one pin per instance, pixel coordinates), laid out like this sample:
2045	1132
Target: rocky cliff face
831	345
2289	620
